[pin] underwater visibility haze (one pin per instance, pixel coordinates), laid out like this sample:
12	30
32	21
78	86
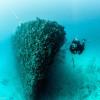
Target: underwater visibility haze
70	76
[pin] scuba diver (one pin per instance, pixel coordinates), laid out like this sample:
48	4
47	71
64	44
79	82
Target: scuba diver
77	47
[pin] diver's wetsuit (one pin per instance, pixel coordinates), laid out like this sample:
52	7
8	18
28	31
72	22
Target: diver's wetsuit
77	47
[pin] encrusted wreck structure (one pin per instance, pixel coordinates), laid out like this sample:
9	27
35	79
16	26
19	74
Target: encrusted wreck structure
35	44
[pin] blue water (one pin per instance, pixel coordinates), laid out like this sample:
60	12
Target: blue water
81	19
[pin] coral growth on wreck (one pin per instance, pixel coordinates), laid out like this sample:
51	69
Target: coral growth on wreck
35	44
